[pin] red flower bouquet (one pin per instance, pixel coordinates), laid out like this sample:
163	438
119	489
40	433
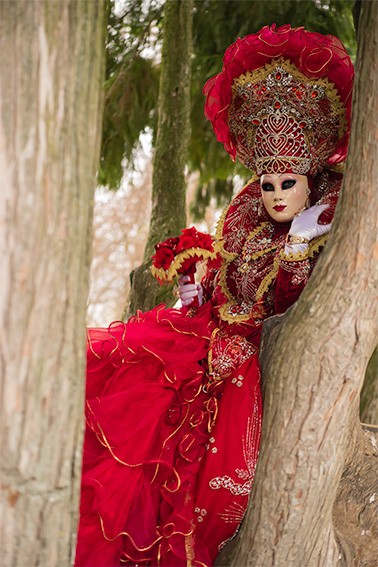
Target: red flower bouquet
179	255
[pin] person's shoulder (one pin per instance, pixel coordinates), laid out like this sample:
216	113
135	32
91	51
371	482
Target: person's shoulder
328	189
239	218
246	202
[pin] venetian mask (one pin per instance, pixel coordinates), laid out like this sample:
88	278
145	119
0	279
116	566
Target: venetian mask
284	195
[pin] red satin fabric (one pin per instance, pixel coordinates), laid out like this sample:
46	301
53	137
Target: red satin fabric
169	454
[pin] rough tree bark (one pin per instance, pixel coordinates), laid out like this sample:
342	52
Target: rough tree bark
316	488
51	100
168	215
369	393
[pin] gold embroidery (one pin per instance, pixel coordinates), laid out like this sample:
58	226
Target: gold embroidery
296	114
210	353
230	352
269	278
250	452
231	300
220	224
258	75
337	167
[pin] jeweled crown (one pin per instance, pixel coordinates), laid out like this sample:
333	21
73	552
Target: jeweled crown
280	120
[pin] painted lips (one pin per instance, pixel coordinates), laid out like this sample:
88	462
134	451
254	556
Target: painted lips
279	207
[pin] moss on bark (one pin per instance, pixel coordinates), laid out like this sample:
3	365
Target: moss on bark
168	215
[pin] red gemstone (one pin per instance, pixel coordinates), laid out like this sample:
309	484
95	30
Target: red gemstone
278	76
314	94
256	121
277	104
302	124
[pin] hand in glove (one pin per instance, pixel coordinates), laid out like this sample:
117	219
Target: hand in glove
305	227
187	291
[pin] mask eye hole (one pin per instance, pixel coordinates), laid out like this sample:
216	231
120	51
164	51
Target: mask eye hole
267	187
288	184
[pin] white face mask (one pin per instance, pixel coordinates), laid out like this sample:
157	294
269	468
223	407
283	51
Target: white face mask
284	195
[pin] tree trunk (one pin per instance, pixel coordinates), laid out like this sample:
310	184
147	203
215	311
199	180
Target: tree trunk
314	455
51	100
369	394
168	215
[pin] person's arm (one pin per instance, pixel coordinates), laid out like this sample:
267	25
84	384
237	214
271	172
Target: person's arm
305	238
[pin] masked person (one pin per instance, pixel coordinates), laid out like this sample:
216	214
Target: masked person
173	404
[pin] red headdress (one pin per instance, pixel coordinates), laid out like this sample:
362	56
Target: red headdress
282	101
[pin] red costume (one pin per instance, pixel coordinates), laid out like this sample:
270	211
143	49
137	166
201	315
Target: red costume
173	398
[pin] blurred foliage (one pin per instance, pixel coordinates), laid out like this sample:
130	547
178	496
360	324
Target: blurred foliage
133	73
131	84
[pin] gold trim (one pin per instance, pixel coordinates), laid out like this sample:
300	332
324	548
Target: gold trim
89	342
178	482
314	246
106	444
140	549
267	281
254	233
167	276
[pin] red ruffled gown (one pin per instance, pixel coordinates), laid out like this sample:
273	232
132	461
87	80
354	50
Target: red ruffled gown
173	405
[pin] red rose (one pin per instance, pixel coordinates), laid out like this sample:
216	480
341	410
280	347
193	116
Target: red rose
187	239
170	243
192	238
205	241
163	257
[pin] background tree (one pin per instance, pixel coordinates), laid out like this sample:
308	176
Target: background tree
314	496
168	215
51	99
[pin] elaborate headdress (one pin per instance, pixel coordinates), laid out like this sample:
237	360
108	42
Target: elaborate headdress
282	101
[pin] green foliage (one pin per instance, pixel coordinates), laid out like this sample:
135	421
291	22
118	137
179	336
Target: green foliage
131	85
132	78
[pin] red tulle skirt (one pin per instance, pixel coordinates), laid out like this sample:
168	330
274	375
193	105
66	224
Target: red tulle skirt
169	452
